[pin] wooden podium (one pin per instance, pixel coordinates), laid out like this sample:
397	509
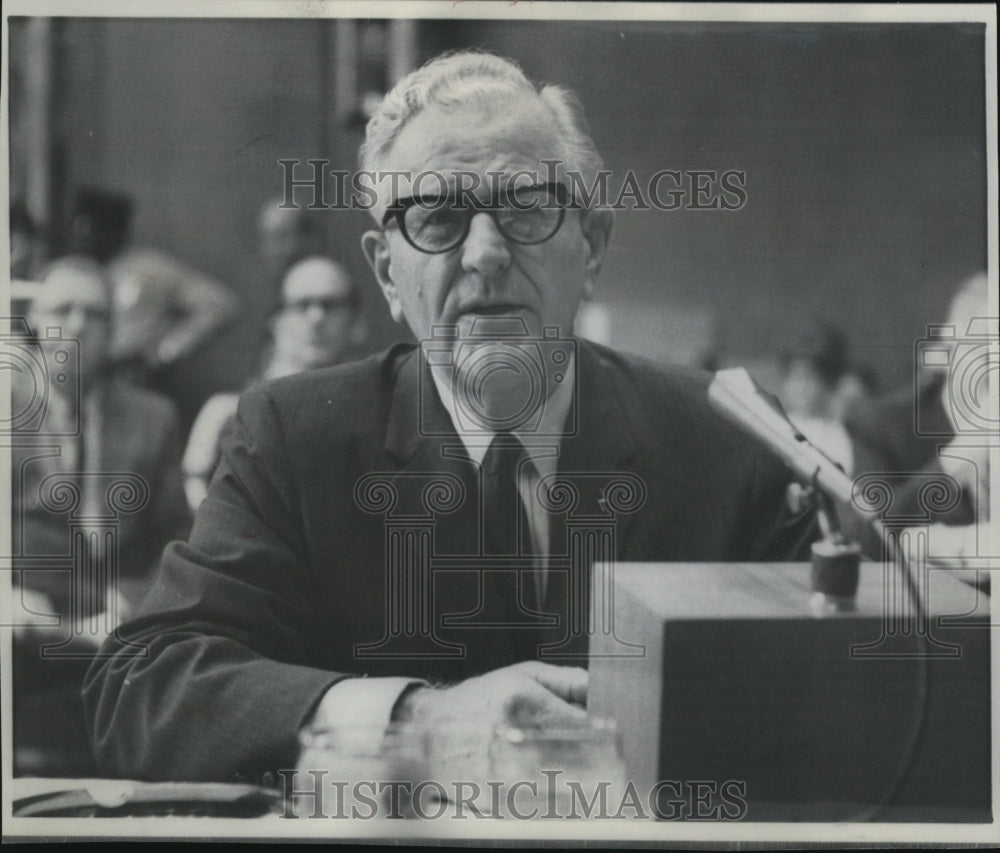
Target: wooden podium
874	714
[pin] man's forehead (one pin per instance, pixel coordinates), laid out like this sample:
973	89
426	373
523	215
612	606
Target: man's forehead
519	134
316	281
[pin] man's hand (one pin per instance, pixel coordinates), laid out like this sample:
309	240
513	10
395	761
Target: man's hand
460	720
530	694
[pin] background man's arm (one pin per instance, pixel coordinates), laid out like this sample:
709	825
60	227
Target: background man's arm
207	306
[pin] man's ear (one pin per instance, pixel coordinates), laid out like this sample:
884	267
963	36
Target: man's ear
596	225
376	249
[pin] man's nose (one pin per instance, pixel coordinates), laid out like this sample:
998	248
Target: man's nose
485	249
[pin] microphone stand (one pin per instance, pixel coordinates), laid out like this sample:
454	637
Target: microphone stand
835	561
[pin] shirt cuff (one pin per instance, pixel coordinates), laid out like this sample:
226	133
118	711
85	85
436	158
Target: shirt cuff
366	702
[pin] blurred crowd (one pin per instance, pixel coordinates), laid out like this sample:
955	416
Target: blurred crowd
929	438
106	471
108	321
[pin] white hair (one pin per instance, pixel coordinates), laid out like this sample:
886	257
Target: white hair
476	78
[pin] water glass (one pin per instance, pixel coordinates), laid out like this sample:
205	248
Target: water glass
565	770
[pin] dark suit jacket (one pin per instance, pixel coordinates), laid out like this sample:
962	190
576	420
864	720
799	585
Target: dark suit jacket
285	572
138	438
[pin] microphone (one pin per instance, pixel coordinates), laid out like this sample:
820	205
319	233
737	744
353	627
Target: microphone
734	394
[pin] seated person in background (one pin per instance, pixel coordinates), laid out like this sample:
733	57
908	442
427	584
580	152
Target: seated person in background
905	435
964	399
309	329
164	309
268	622
956	539
85	432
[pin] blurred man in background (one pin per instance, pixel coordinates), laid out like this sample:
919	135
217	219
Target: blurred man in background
89	431
888	428
310	328
916	429
944	428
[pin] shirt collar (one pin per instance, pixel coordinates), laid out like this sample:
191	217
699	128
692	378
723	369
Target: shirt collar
539	443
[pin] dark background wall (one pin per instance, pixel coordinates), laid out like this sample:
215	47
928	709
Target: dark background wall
863	148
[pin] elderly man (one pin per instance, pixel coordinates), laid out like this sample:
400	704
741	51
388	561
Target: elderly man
310	328
96	493
386	540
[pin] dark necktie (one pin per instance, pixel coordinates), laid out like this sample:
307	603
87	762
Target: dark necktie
505	520
507	533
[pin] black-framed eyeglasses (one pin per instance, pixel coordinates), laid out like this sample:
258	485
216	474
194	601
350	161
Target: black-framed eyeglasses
439	223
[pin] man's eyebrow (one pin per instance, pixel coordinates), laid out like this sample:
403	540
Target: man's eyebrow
451	193
484	194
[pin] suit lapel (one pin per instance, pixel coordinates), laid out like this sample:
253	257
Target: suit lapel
421	446
603	444
421	441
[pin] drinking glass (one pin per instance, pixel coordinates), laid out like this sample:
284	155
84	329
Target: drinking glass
360	771
565	770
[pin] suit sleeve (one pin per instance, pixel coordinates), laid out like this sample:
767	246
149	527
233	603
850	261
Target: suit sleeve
213	678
